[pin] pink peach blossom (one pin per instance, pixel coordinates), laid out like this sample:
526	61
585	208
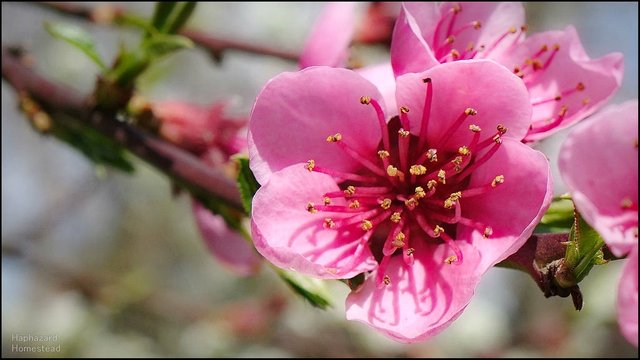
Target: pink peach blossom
423	204
599	163
565	85
209	133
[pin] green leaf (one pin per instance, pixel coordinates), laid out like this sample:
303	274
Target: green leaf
560	214
78	38
163	44
162	13
313	290
247	183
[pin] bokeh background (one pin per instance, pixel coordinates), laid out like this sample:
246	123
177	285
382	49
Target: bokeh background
113	264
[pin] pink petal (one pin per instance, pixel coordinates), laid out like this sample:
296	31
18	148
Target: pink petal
599	163
331	35
290	237
513	208
422	299
381	76
498	96
628	299
409	51
570	66
226	245
296	111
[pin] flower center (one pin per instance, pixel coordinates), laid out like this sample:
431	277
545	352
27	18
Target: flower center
411	188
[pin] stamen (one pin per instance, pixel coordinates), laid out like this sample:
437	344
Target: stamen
482	160
404	119
484	189
311	208
355	204
463	150
334	138
542	125
451	130
386	203
399	240
426	113
327	200
366	100
350	190
395	217
452	200
328	223
417	170
420	192
355	155
442	176
310	165
403	147
393	171
344	176
366	225
626	203
579	87
456	250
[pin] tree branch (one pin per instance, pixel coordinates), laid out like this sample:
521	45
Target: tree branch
185	168
110	14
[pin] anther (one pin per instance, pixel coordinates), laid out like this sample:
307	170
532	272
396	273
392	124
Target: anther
463	150
586	101
383	154
451	259
411	203
417	170
497	139
432	155
512	30
442	176
386	203
399	240
457	160
410	251
470	112
431	184
455	54
451	201
311	208
420	192
497	180
355	204
450	39
426	80
403	132
524	28
437	230
395	217
556	47
310	165
328	223
474	128
404	109
488	231
580	86
386	280
392	170
327	200
501	129
456	8
477	25
365	100
626	203
334	138
350	190
366	225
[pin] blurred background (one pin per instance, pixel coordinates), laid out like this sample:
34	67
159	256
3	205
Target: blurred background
113	265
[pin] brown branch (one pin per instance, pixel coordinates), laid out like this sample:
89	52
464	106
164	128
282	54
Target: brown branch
180	165
109	14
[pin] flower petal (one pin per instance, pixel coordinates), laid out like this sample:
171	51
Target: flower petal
628	299
513	208
422	299
599	163
227	246
498	96
290	237
381	76
570	69
409	51
296	111
331	35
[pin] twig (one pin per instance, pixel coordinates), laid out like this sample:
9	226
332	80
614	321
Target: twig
216	46
178	164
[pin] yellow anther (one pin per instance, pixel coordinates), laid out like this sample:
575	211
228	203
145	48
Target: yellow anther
411	202
383	154
451	259
328	223
399	240
395	217
580	86
470	112
386	280
488	231
404	109
457	160
365	100
450	39
474	128
501	129
417	170
432	155
477	25
451	200
626	203
497	180
311	208
310	165
431	184
420	192
512	30
403	132
392	170
442	176
366	225
327	200
463	150
334	138
437	230
455	54
497	139
350	190
386	203
355	204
